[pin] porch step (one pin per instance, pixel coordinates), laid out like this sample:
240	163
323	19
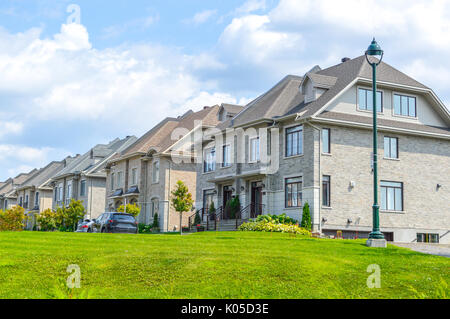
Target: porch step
223	225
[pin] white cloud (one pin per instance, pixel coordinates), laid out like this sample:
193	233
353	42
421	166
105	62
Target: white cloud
64	78
207	99
10	128
252	39
201	17
251	6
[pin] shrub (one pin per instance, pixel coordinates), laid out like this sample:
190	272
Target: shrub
235	206
47	220
155	224
265	226
144	229
12	219
72	214
132	209
306	217
277	219
197	218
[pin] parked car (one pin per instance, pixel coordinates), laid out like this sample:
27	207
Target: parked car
115	223
85	226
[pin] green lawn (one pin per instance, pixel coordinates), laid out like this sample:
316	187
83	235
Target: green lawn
212	265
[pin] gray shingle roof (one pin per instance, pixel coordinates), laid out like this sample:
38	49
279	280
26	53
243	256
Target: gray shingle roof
93	160
276	102
43	175
285	99
232	108
160	136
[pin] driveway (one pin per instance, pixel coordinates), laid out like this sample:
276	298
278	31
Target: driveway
432	249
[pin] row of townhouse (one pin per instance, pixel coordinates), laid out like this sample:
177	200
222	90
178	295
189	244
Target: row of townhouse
306	140
81	177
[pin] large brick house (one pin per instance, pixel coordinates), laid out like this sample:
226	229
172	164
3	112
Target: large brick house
309	139
147	171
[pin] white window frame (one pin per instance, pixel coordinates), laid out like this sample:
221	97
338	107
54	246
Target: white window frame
134	176
226	162
254	157
209	163
81	188
155	172
112	181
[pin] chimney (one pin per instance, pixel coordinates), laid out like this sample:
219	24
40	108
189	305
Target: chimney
345	59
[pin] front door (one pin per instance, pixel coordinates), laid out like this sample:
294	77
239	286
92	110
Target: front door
227	196
256	200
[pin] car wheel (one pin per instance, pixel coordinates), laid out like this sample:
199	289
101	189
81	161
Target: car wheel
103	230
89	230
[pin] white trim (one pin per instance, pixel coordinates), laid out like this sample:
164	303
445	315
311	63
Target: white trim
352	83
380	127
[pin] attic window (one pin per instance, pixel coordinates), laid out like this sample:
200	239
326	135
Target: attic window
365	100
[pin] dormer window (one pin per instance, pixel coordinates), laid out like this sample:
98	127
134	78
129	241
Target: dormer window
405	105
365	100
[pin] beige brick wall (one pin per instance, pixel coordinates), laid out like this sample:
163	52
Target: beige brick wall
423	163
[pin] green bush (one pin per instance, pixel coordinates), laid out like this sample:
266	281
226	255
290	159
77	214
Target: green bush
265	226
197	218
306	217
277	219
155	224
46	220
144	229
132	209
12	219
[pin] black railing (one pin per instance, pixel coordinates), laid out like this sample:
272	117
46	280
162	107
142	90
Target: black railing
252	210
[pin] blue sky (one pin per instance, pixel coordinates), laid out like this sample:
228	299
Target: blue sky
65	87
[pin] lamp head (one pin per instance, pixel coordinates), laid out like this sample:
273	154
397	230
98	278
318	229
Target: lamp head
374	49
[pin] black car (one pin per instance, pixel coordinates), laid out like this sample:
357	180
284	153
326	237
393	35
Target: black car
116	223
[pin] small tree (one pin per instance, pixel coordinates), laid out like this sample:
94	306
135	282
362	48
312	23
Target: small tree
212	211
182	201
306	217
235	206
132	209
155	224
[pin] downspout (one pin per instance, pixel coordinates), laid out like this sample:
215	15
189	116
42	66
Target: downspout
90	201
168	196
320	170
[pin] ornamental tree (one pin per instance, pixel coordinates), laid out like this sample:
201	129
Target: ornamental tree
182	201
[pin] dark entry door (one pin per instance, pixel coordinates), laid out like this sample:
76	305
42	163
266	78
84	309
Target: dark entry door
256	200
227	195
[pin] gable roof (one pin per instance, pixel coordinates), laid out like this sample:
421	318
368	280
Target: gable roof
231	108
43	175
285	99
274	103
93	160
159	138
9	188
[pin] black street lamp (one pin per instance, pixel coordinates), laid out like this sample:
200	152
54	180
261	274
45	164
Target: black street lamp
376	238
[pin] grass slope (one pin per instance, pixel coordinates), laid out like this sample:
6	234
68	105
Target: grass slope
212	265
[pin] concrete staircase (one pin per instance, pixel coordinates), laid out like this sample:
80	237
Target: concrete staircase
221	225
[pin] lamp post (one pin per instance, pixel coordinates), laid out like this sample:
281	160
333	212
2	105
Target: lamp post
376	238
